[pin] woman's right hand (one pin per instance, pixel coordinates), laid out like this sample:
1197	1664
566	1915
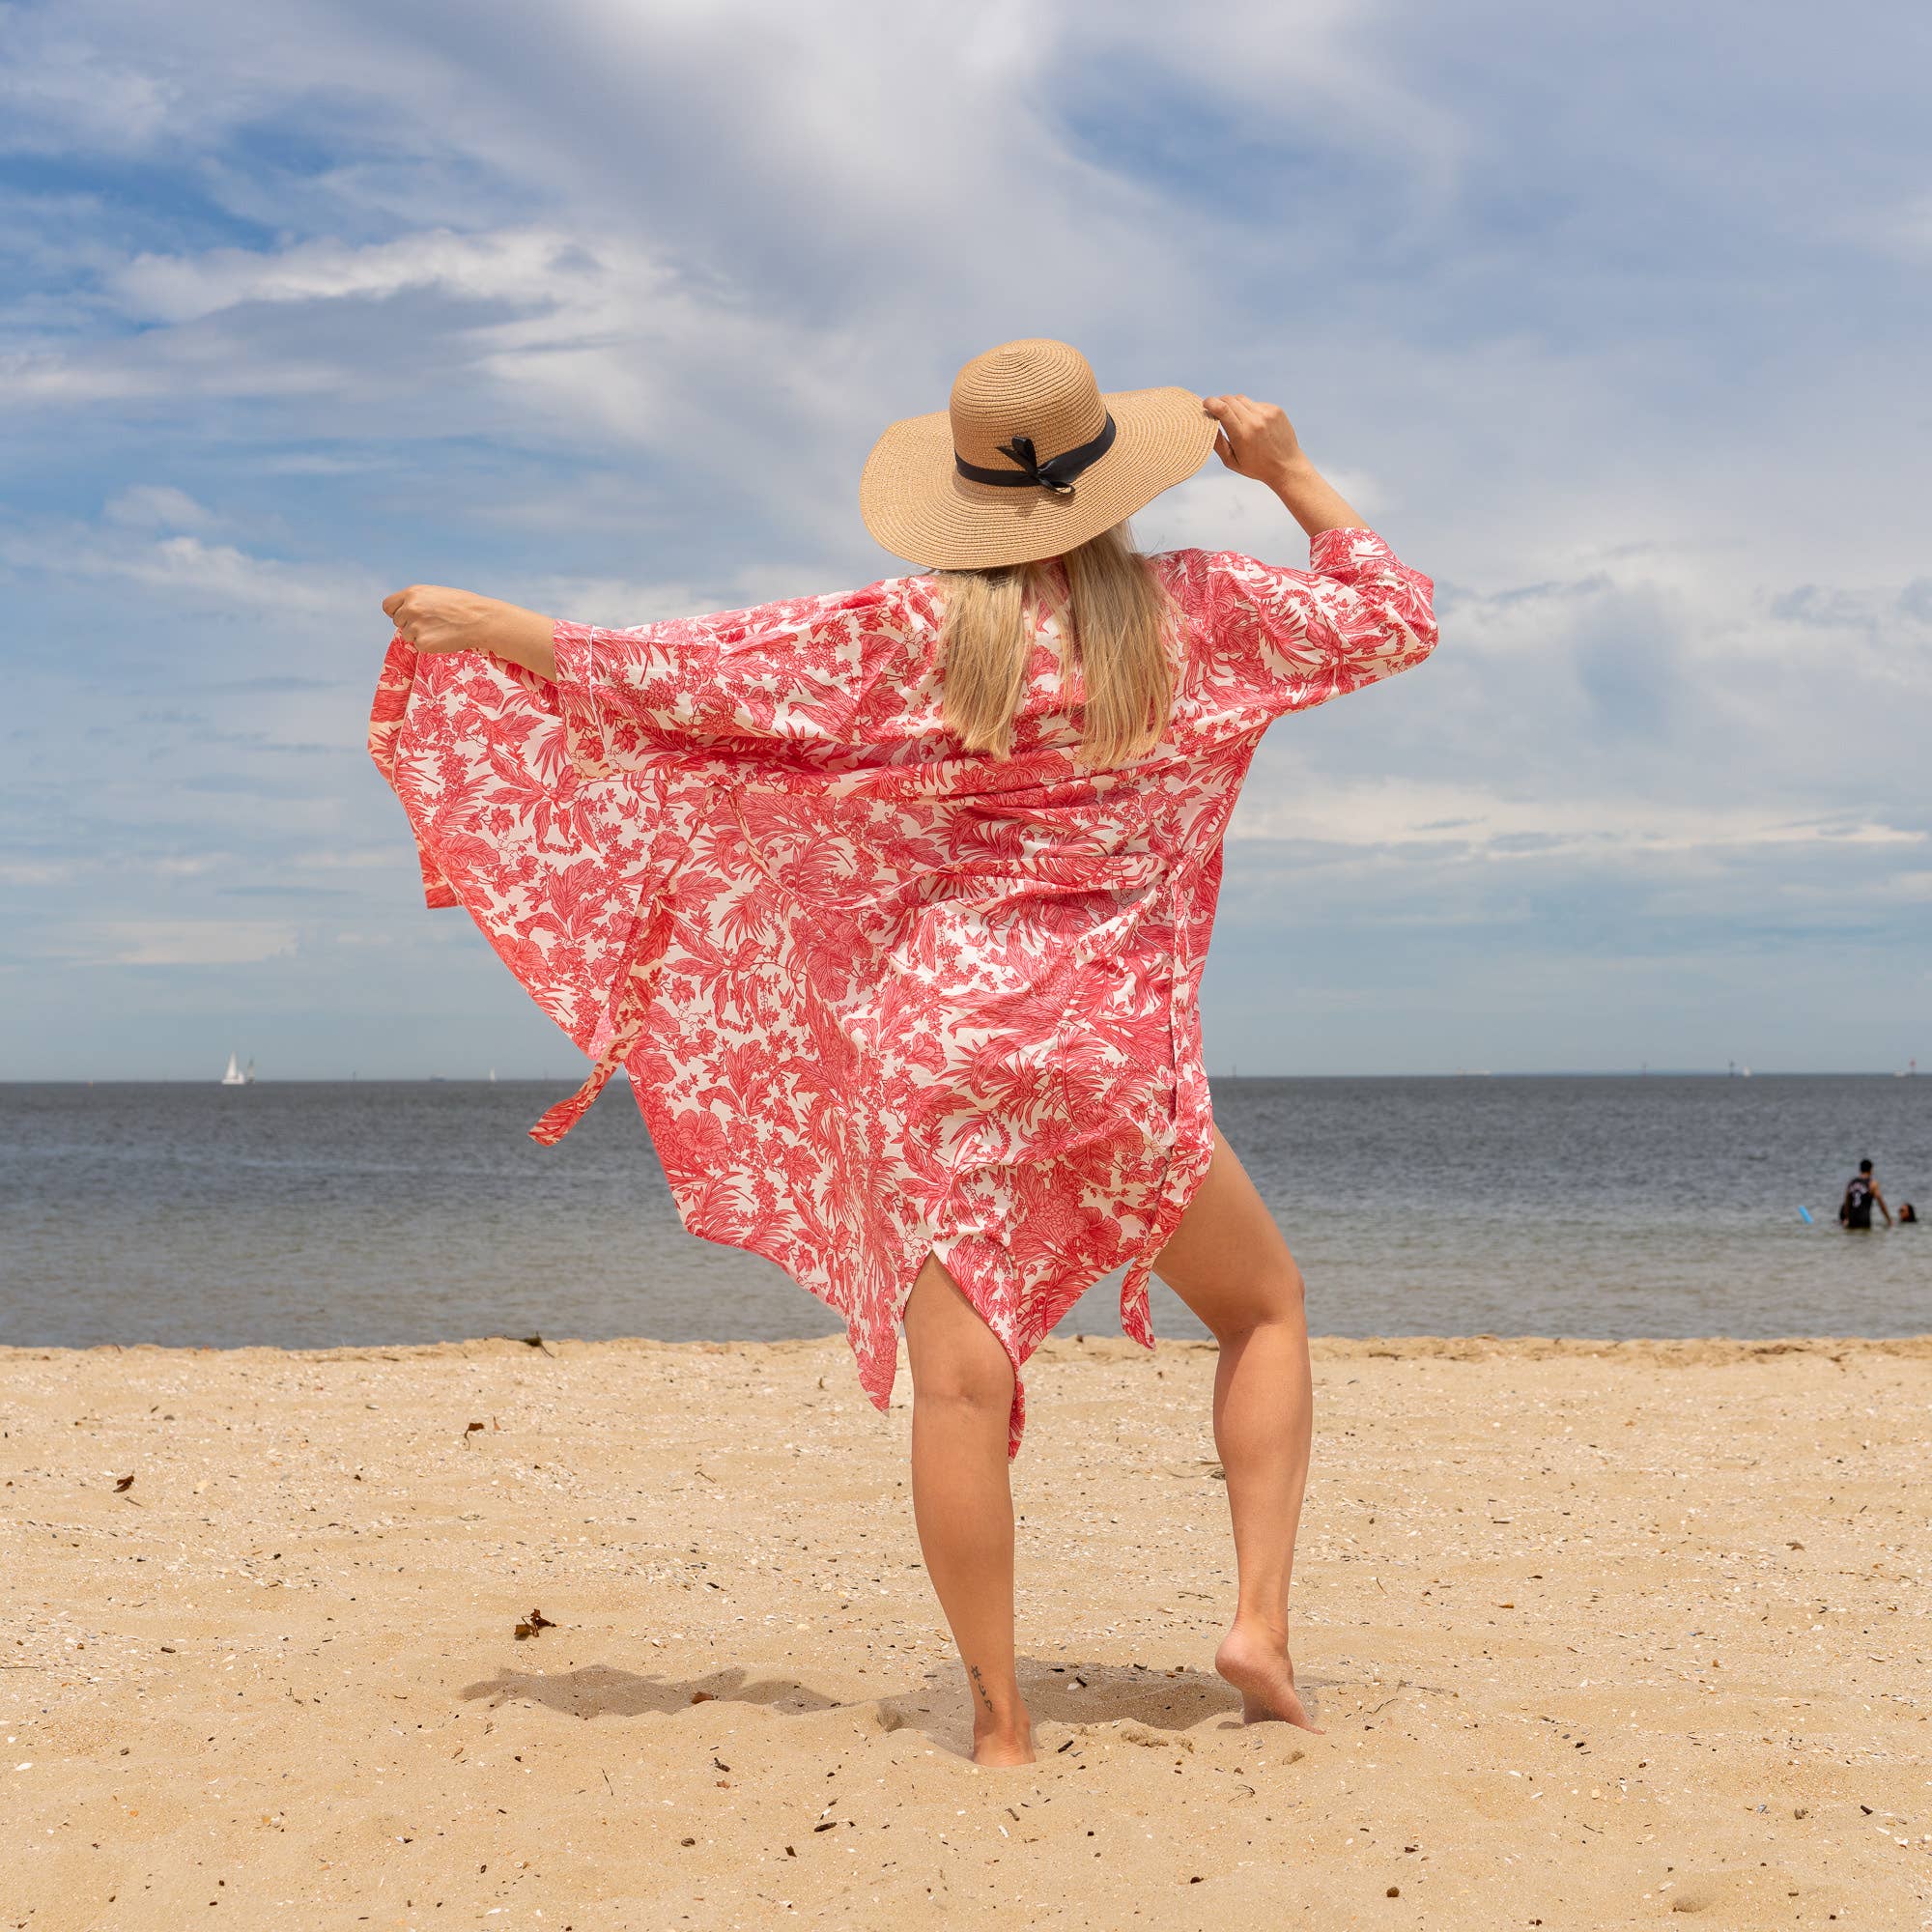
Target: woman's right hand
1255	439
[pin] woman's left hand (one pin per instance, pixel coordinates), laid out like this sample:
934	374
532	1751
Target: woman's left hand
435	618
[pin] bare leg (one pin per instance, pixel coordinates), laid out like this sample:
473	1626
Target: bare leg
1228	1262
962	1501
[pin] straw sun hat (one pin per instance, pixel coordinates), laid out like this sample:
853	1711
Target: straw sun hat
1029	461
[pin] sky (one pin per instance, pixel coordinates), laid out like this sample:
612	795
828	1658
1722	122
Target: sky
1613	321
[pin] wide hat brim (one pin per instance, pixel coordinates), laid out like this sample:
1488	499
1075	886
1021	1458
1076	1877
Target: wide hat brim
918	505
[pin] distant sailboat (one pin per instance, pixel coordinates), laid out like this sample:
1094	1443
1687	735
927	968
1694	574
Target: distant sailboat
234	1077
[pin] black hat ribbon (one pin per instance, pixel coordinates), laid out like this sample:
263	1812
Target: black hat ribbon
1055	475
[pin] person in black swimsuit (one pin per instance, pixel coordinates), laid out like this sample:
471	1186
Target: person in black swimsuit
1860	1194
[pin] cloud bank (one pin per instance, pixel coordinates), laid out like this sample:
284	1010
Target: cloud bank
1611	323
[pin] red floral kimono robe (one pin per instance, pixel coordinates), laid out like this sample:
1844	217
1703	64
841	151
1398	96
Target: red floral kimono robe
879	996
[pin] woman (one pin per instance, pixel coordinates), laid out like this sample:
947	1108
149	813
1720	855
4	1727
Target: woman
894	904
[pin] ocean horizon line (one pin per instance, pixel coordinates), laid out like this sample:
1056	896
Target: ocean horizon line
571	1077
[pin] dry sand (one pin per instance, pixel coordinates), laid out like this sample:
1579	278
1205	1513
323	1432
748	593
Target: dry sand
1601	1634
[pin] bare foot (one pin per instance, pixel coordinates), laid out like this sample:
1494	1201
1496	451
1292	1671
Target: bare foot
1256	1661
1006	1746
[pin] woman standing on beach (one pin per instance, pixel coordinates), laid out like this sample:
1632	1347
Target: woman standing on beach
894	904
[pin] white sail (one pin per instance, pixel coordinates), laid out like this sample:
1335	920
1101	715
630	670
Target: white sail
233	1077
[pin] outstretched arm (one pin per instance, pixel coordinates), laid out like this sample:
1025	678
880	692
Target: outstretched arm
1257	440
435	618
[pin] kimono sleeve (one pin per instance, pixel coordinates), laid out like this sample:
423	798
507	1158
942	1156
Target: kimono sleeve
1286	639
788	675
563	878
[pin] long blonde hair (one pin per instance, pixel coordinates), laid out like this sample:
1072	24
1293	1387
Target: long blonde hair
1120	627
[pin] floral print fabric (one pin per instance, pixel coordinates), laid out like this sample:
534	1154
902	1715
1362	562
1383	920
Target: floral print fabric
879	996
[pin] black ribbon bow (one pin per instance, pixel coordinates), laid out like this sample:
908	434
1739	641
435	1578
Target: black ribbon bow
1020	450
1055	475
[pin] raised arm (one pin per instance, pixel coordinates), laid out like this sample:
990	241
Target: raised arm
1285	638
1257	440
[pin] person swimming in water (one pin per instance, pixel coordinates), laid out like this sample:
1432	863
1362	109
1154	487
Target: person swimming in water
1861	1194
1907	1213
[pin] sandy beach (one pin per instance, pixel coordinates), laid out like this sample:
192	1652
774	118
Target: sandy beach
1600	1633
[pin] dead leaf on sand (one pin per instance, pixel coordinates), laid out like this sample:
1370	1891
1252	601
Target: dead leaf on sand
124	1484
537	1622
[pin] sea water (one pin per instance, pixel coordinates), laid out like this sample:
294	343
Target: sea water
312	1214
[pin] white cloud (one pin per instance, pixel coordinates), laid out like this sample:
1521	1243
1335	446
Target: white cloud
193	570
58	76
191	942
617	601
1216	509
156	506
1380	813
1320	74
229	576
1901	229
57	377
349	859
517	265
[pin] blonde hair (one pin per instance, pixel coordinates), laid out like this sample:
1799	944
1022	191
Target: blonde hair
1120	626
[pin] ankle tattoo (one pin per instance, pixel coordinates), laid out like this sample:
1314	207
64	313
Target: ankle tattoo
980	1685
